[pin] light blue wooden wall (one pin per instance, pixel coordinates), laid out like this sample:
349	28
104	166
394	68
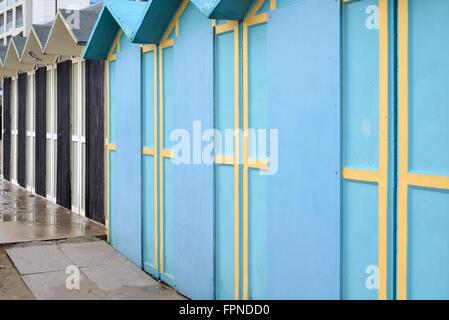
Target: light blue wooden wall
304	196
194	184
126	218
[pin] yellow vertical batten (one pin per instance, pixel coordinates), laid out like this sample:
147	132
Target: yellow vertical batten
161	164
106	169
154	152
233	26
155	159
111	57
236	163
383	148
403	148
251	19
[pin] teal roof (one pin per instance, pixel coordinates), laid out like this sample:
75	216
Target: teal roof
156	19
223	9
116	15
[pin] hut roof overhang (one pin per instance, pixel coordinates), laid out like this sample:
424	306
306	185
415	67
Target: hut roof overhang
223	9
13	55
116	15
155	20
33	51
70	31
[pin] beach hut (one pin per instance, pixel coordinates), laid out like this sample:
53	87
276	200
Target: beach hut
395	155
220	231
50	89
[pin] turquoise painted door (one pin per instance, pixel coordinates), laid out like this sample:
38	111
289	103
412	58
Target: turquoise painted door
367	161
423	157
396	168
150	229
125	219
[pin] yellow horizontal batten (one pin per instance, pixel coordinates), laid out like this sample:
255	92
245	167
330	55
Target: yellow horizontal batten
361	175
258	164
261	18
428	181
112	147
225	160
225	27
167	154
148	48
149	152
167	43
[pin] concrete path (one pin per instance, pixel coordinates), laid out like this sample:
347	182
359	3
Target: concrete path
27	217
83	270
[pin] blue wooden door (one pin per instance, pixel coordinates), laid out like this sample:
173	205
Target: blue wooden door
125	219
423	157
150	228
367	144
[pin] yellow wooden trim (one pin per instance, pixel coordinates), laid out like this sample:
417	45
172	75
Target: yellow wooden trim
167	154
383	148
272	5
403	148
161	162
224	160
167	43
107	134
112	147
245	292
149	152
258	164
236	161
428	181
115	44
174	23
251	19
148	48
361	175
259	19
155	163
225	27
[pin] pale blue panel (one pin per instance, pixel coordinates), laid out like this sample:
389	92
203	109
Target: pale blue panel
194	184
168	96
128	205
258	235
359	239
168	276
428	244
257	84
113	197
428	80
224	88
112	104
304	194
360	88
224	232
258	195
148	215
224	175
148	99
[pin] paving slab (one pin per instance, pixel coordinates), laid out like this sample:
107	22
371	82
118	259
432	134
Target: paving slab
38	259
52	286
25	217
88	254
115	276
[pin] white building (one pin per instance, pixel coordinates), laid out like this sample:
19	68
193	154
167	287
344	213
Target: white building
17	16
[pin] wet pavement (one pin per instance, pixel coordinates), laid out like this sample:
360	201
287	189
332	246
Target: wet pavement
82	269
26	217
